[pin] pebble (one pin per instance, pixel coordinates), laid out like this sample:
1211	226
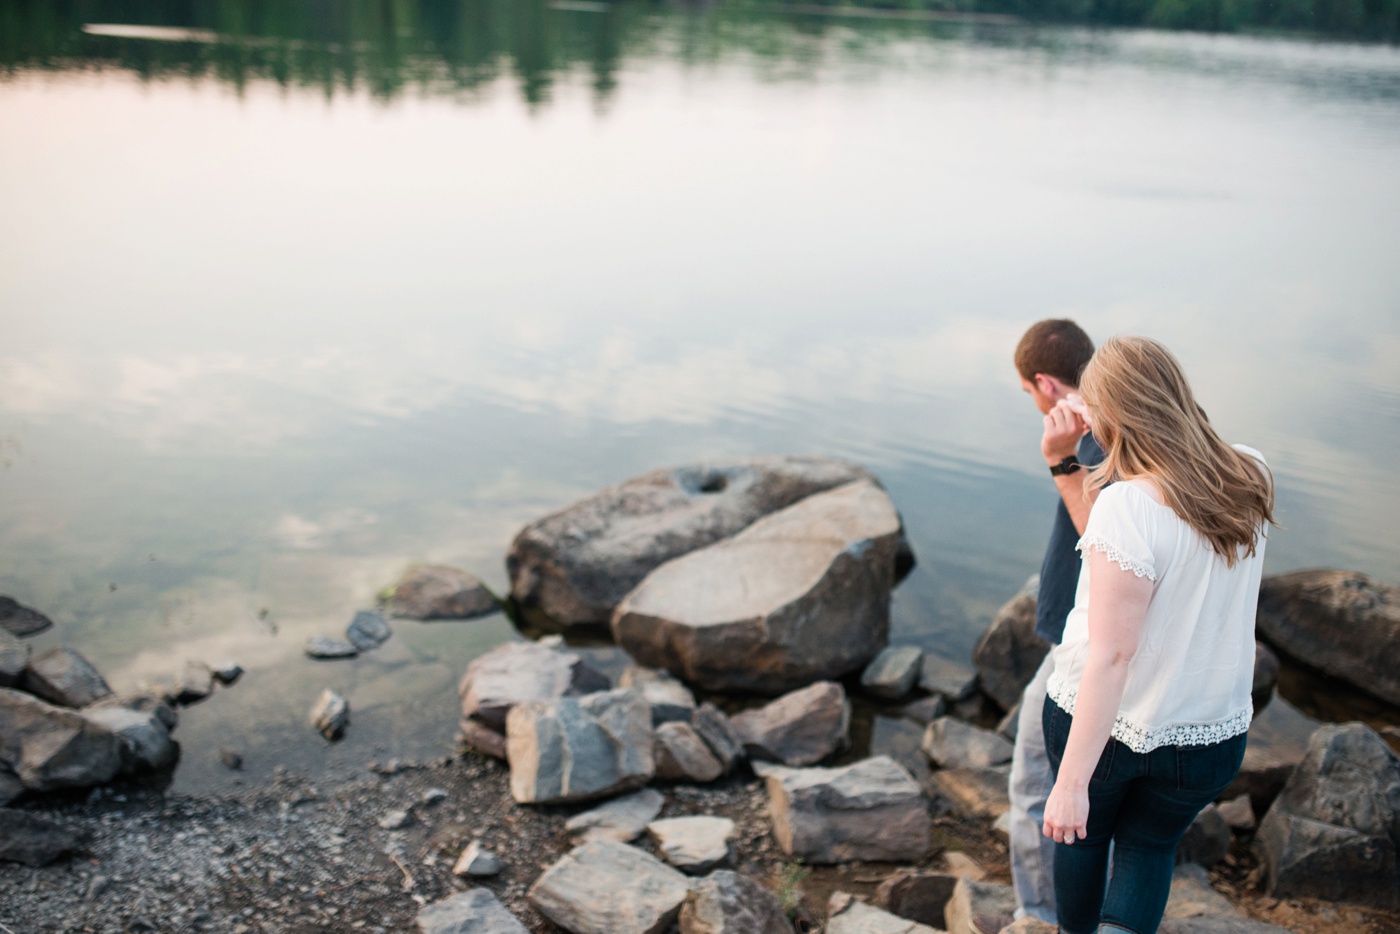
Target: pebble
396	820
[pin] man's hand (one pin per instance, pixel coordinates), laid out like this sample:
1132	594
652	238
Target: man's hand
1063	429
1066	813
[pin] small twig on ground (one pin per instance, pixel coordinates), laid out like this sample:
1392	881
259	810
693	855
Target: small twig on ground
408	882
6	929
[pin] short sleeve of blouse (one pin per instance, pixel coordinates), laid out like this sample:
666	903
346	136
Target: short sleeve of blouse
1119	528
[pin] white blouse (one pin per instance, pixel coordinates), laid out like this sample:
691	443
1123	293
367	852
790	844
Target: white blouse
1189	681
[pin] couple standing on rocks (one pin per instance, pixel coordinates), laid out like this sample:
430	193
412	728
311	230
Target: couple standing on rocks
1137	718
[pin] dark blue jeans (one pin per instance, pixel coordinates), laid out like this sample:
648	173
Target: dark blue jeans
1143	803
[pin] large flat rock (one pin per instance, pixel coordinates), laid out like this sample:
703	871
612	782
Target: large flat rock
522	673
574	567
605	887
870	810
433	591
580	748
622	819
800	595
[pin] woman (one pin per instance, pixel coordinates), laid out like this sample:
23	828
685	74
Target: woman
1147	710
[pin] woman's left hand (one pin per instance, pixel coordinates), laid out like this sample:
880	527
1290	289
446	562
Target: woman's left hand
1066	813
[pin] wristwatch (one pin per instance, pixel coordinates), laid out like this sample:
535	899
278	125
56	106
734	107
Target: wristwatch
1067	466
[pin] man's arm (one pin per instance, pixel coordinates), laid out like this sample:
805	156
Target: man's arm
1063	429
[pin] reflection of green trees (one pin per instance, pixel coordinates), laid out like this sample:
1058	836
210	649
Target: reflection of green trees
388	47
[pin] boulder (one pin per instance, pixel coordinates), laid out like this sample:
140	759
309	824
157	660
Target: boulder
579	748
330	714
432	591
30	839
670	699
682	756
871	810
893	673
622	819
605	887
719	734
1265	671
143	724
918	896
800	595
475	911
948	678
980	907
476	861
1238	813
1192	895
694	844
951	744
725	902
1009	652
328	648
1342	623
14	657
1207	840
49	747
519	673
368	630
981	792
62	676
575	566
20	620
1334	831
800	728
848	915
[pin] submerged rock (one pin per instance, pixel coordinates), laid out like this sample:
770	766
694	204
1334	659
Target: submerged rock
605	887
871	810
579	748
62	676
368	630
800	595
800	728
725	902
20	620
433	591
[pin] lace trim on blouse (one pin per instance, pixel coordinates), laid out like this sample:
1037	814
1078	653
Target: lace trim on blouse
1099	543
1142	740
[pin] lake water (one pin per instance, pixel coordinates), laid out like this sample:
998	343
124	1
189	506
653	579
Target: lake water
285	312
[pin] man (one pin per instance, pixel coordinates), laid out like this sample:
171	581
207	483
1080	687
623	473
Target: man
1049	359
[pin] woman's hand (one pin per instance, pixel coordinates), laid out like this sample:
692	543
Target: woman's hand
1066	813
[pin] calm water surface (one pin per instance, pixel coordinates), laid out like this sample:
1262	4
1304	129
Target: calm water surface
283	315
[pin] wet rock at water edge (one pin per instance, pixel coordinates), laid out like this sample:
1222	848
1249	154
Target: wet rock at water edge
519	673
227	672
670	699
621	819
49	747
193	683
871	810
368	630
980	792
979	907
1207	840
477	861
800	728
29	839
694	844
579	748
718	732
952	744
576	565
941	676
328	648
849	915
800	595
475	911
605	887
19	620
330	714
893	673
725	902
1334	831
682	756
14	657
434	591
918	896
62	676
143	723
1009	652
926	709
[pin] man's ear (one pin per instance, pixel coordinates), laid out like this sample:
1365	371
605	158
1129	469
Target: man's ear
1049	386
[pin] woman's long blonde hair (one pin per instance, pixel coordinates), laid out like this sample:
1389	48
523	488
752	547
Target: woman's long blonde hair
1147	420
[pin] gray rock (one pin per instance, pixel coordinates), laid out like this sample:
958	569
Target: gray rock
396	819
1278	740
49	747
1192	895
682	756
848	915
1340	622
800	728
142	727
430	591
193	683
979	907
478	736
326	647
330	714
62	676
14	656
926	709
871	810
368	630
1009	652
605	887
719	734
942	676
670	700
893	673
520	673
1265	670
579	748
621	819
694	844
227	672
953	744
981	792
576	566
20	620
918	896
800	595
476	861
1207	840
1238	813
1334	831
725	902
29	839
475	911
